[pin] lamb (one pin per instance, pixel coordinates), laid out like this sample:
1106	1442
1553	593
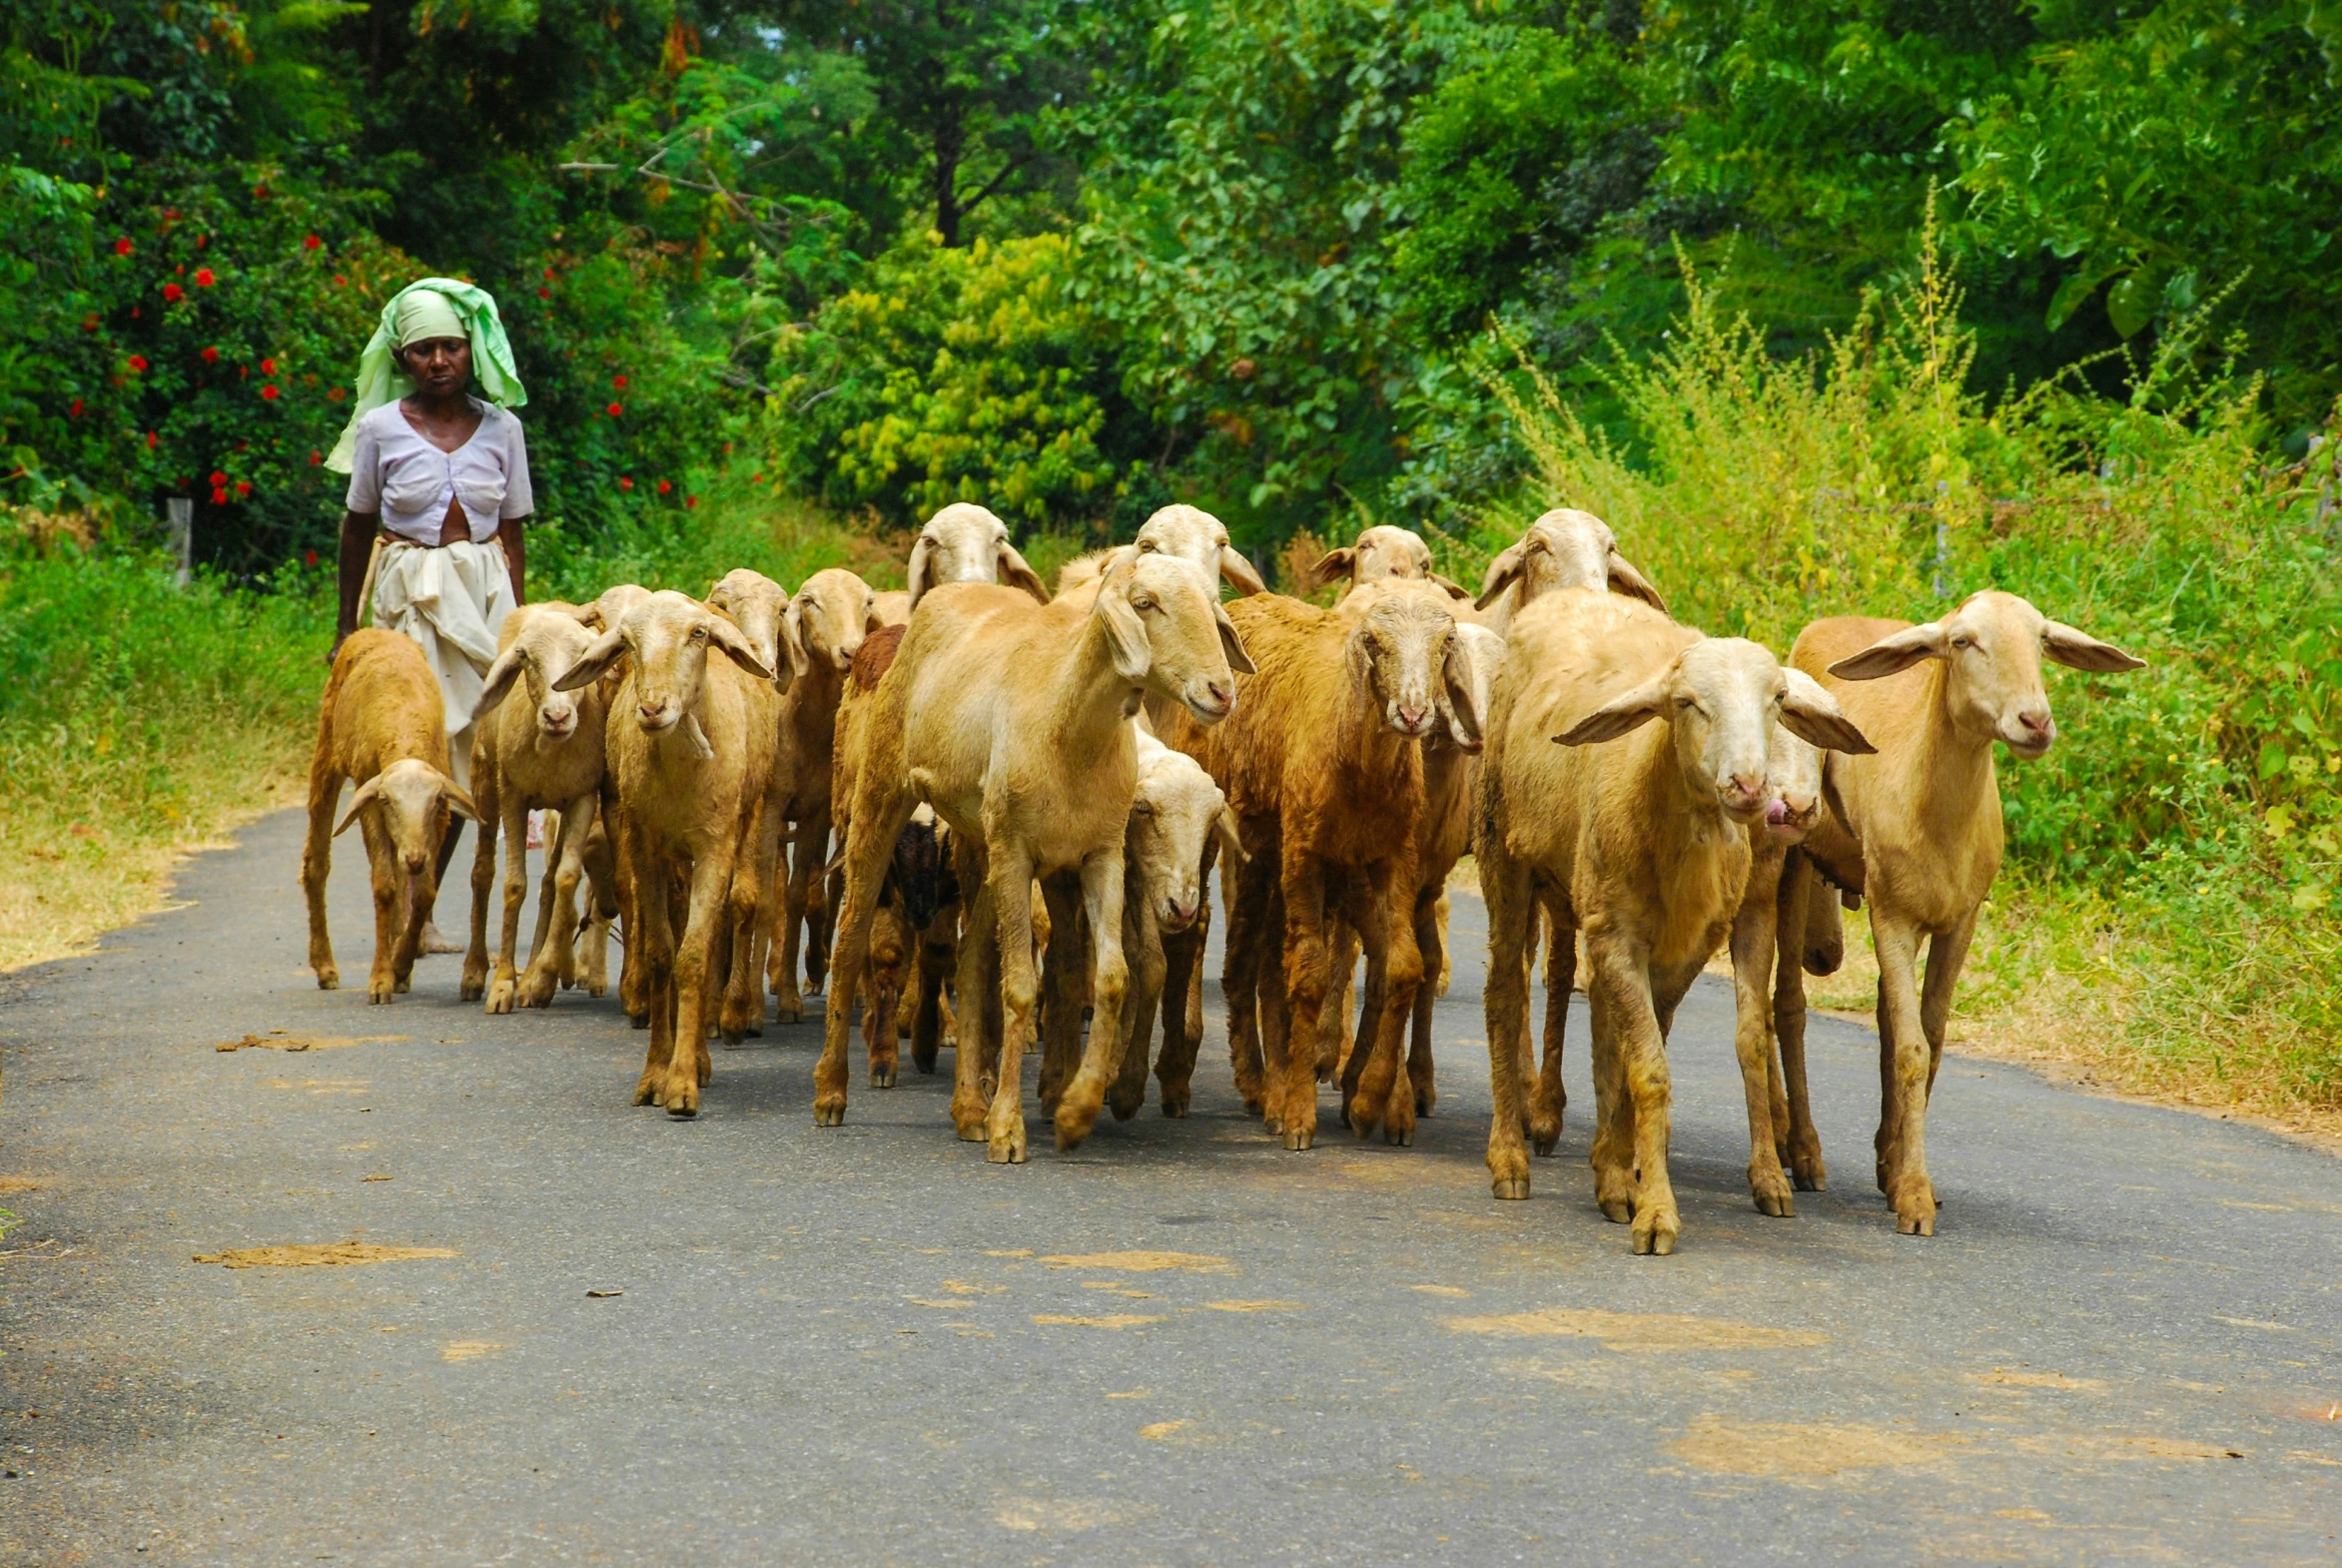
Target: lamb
1008	719
1564	548
382	725
1323	769
1643	842
690	752
966	544
547	755
1920	821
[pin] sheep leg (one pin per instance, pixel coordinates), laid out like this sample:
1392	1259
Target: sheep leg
1638	1056
1061	986
713	898
601	875
1143	949
819	903
1404	980
1904	1062
1431	941
788	998
316	862
882	985
1308	980
1947	956
1754	934
1276	1006
485	793
1504	886
1249	888
879	814
1194	989
1336	1037
1009	888
935	960
1797	898
975	1065
1360	919
633	996
514	824
651	953
1549	1100
389	878
1175	1067
556	906
1109	988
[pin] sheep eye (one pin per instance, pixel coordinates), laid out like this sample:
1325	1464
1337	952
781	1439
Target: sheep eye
699	635
1963	642
1142	602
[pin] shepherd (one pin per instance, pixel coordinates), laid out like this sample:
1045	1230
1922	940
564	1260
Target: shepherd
439	497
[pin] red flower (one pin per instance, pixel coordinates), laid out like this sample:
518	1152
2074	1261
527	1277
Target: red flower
665	486
122	246
545	294
211	356
202	240
136	313
203	276
242	488
311	243
615	410
218	497
268	392
624	482
149	441
311	558
690	501
548	275
618	382
756	478
260	193
268	367
336	394
75	411
338	279
316	456
217	478
173	293
171	214
138	362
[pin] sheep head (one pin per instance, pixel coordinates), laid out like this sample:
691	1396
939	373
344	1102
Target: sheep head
666	637
548	643
1565	548
1193	534
1402	655
410	800
966	544
612	606
1993	647
1473	662
757	605
1174	812
1792	771
827	620
1721	698
1167	634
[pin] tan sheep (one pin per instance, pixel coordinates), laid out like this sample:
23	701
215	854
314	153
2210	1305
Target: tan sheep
1188	532
889	607
1640	827
689	748
1008	717
1564	548
1323	769
1383	553
966	544
382	725
1923	816
543	754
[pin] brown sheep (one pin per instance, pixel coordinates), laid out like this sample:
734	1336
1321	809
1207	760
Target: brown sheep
1640	828
1008	717
382	725
689	748
1323	769
544	755
1922	819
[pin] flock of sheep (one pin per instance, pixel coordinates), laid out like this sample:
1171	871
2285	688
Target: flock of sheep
1029	791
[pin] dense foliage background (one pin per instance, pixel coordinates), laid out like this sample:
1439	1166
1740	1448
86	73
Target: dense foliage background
1830	305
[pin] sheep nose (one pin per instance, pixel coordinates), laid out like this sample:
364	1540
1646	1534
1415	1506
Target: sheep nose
1745	788
1222	692
1413	718
2037	723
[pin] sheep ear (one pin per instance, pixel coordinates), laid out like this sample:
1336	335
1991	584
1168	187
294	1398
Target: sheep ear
793	641
1810	714
2081	652
1231	644
367	794
1455	589
1231	839
1126	634
459	799
1620	715
1503	572
500	683
1896	651
1625	580
1465	722
595	662
917	581
587	615
1017	575
1238	571
728	638
1334	564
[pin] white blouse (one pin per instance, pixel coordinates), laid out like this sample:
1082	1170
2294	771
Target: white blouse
410	481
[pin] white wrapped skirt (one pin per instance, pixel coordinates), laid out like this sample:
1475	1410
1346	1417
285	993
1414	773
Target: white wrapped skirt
452	599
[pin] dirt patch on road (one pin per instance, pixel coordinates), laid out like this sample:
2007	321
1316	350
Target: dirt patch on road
1143	1262
1110	1321
10	1183
330	1254
1799	1448
1658	1333
279	1039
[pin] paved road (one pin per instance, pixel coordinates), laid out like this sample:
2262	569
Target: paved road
1181	1346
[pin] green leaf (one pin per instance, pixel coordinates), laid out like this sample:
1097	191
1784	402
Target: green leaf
2077	289
2272	760
2132	302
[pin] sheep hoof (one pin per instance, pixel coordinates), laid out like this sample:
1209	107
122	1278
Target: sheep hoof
1773	1199
788	1010
329	980
1399	1136
1126	1107
501	995
829	1111
1074	1122
1511	1188
1545	1142
1658	1240
646	1093
470	989
1176	1103
1252	1108
1808	1172
1425	1098
882	1077
1617	1210
924	1060
378	992
1007	1148
405	983
683	1110
1298	1138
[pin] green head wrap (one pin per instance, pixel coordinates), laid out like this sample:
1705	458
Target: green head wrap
430	308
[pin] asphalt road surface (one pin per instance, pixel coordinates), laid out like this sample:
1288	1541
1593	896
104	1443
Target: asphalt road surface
1181	1346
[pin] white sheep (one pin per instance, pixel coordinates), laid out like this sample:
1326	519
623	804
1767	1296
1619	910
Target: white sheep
966	544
